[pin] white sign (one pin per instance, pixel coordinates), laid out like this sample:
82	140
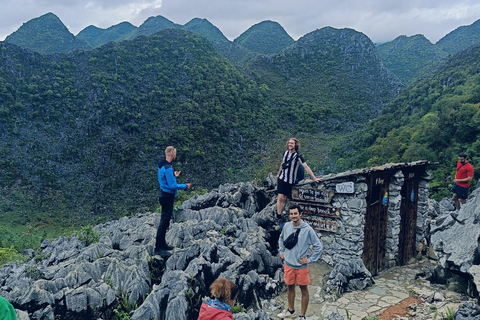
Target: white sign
345	187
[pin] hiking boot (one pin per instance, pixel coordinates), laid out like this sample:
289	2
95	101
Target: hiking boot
287	314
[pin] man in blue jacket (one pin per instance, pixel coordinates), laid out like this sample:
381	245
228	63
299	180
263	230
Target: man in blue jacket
296	261
168	189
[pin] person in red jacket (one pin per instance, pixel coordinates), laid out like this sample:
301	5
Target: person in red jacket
461	183
225	294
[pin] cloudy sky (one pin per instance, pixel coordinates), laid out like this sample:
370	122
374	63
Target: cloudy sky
381	20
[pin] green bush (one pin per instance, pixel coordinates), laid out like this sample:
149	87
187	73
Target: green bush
237	308
8	255
87	235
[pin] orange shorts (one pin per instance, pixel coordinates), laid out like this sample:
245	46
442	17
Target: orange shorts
300	276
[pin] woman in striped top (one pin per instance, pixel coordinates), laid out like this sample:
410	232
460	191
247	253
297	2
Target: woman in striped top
287	175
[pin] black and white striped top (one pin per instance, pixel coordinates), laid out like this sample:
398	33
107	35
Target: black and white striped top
289	174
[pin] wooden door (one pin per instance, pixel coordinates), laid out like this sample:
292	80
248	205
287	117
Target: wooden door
375	231
408	216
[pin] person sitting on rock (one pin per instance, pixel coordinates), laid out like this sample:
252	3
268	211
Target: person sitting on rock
225	294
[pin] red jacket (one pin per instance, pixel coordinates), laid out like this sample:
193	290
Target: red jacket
211	313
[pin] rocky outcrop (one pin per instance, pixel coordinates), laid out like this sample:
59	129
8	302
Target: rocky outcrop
348	275
454	241
468	311
454	235
228	232
74	281
222	236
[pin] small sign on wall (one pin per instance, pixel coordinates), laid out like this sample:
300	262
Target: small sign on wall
312	195
345	187
319	210
322	225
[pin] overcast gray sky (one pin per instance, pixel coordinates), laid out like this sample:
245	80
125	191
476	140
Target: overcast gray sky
380	20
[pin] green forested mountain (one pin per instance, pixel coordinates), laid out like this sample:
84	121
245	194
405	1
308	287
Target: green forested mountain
204	28
433	120
82	134
150	26
460	38
266	37
46	34
410	58
97	37
235	53
126	31
329	80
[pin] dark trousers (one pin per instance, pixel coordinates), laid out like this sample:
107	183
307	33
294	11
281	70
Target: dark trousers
166	200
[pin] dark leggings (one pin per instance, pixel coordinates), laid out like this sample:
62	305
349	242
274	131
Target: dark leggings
166	200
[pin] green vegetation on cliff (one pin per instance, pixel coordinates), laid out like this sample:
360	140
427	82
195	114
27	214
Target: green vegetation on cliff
410	58
81	134
460	38
433	120
329	80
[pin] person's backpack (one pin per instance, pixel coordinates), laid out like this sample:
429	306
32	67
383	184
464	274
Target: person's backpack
300	174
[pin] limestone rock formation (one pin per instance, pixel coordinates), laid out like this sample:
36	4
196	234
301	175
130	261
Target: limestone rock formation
228	232
454	239
349	275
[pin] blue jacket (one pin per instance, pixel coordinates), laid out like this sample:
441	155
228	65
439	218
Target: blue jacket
166	178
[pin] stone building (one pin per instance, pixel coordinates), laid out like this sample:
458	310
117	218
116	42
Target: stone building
376	214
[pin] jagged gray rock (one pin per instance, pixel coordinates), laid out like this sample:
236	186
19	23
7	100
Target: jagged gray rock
75	281
222	233
349	275
335	316
218	238
455	235
468	311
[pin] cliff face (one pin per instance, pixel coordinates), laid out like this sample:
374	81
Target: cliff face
332	77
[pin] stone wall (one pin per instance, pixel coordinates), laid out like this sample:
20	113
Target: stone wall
347	242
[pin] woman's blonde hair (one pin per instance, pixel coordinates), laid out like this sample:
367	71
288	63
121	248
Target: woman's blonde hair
224	290
297	143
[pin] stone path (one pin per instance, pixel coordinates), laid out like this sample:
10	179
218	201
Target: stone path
391	288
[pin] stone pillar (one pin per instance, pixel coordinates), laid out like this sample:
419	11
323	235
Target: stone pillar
393	223
422	210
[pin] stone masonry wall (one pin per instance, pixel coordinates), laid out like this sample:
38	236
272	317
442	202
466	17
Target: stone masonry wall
347	243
